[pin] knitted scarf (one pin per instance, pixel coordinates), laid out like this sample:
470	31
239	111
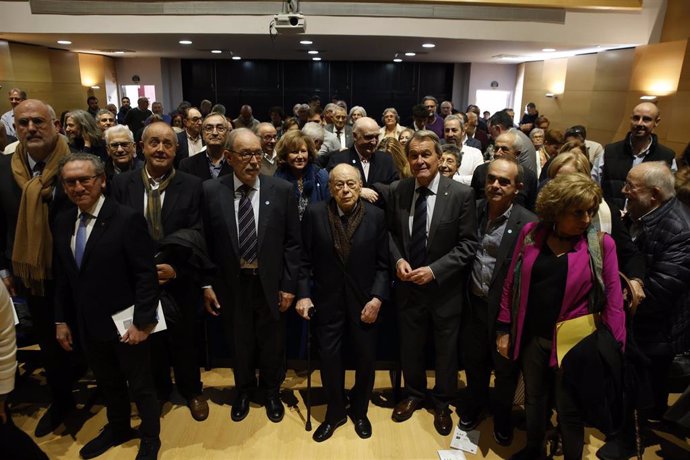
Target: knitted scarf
342	235
153	205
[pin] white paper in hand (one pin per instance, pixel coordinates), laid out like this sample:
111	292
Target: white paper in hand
451	455
123	319
465	440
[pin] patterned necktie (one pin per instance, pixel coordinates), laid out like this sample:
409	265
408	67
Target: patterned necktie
80	240
418	236
247	228
38	168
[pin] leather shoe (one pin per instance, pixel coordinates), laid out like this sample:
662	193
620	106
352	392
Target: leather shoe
405	408
148	449
326	429
443	421
240	407
52	419
199	408
362	427
470	419
274	408
503	431
106	439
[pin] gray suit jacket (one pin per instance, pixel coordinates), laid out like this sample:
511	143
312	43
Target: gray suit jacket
349	140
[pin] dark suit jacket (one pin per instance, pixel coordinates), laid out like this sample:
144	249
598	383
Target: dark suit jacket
381	168
451	243
198	166
117	271
279	235
525	197
337	286
349	139
519	216
10	196
183	147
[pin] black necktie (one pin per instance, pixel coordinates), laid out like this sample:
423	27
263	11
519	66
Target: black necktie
38	168
246	227
418	236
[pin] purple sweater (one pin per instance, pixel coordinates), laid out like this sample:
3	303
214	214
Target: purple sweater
577	287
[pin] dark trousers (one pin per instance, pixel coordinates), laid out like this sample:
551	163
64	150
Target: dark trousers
58	364
259	339
415	320
660	354
176	347
480	356
120	368
362	336
16	444
539	378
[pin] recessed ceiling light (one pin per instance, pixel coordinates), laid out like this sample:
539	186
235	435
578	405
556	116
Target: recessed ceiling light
428	45
64	42
236	58
185	42
316	59
119	52
548	50
306	42
313	52
216	51
397	60
410	54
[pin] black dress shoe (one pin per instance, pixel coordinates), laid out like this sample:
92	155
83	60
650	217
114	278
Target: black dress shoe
362	427
274	408
52	418
470	419
105	440
240	407
148	449
443	421
326	429
405	408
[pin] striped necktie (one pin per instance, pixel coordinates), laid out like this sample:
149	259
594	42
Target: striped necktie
246	227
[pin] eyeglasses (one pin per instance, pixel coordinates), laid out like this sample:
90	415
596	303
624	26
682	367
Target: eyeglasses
117	145
220	128
502	181
86	180
269	137
246	155
38	122
503	148
341	185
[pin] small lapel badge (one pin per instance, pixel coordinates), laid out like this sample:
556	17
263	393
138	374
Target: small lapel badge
510	230
267	203
354	162
446	194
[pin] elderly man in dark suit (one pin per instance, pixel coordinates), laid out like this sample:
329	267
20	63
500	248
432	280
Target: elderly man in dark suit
29	202
101	270
211	163
171	202
374	166
345	256
340	128
432	223
253	235
500	221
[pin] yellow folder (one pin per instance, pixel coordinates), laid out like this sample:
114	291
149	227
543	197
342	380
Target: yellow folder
570	332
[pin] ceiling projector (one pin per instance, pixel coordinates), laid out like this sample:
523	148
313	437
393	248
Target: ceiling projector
290	23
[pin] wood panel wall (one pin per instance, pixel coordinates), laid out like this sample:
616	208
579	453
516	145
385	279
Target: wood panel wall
54	76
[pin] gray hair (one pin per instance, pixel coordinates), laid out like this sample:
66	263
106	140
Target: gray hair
358	108
103	112
87	124
118	130
314	130
230	140
457	118
422	135
430	98
454	150
98	165
657	174
535	132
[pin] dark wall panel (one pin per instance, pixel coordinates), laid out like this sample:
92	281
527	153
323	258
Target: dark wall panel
262	84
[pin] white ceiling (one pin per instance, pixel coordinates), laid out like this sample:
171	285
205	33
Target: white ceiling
336	37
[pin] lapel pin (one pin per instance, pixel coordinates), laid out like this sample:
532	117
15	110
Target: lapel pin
354	161
510	230
446	194
267	203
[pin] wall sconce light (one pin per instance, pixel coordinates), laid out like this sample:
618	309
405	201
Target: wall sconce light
551	95
648	98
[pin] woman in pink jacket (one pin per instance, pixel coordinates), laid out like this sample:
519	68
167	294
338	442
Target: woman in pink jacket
553	284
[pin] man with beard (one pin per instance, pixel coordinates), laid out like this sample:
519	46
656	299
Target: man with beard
92	102
640	145
124	108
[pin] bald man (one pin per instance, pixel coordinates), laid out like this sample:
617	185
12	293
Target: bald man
640	145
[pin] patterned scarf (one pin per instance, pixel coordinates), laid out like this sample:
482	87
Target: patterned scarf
32	254
153	205
342	233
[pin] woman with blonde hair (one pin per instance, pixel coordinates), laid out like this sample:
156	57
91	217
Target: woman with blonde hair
395	149
550	281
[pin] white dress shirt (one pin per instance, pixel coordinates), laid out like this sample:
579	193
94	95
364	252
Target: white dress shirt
90	222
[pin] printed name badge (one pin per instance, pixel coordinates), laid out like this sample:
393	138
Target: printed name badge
465	440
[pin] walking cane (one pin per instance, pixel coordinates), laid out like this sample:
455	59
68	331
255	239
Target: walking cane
310	314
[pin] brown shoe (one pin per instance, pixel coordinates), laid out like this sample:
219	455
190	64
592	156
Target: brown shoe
199	408
405	408
442	421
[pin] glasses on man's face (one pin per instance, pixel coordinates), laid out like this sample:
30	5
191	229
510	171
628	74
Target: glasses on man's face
247	155
210	128
502	181
503	148
37	121
117	145
84	181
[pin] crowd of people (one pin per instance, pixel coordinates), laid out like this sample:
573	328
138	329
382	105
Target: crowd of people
512	248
